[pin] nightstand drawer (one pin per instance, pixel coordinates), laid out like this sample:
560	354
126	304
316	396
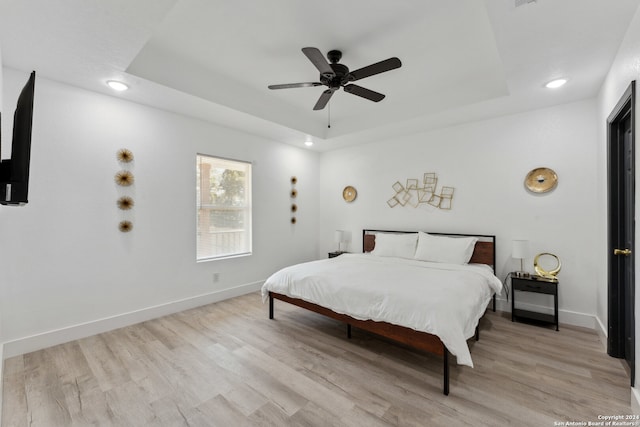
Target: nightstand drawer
530	285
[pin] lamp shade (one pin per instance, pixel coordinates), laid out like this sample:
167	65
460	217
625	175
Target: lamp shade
338	236
520	249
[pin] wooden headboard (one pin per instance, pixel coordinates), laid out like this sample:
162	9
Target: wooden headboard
483	253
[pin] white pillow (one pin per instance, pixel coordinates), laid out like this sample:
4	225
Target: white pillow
453	250
395	245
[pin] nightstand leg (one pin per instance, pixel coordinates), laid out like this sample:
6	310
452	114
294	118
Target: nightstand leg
513	299
555	309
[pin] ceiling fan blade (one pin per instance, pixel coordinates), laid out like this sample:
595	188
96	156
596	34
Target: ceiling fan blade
317	58
364	93
323	100
377	68
295	85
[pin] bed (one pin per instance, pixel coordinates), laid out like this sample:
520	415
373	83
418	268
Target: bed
428	291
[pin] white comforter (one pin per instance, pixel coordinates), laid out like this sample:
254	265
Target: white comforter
446	300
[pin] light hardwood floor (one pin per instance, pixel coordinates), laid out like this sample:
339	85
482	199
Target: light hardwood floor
226	364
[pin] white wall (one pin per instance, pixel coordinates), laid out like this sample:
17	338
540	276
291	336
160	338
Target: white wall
63	262
625	68
1	331
486	162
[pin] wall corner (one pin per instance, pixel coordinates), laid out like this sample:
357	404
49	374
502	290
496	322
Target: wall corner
602	332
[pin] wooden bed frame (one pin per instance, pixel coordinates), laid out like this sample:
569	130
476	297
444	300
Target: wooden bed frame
484	253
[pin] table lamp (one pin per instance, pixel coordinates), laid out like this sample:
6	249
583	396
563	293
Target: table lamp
520	250
338	237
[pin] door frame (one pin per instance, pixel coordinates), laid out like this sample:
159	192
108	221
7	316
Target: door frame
621	296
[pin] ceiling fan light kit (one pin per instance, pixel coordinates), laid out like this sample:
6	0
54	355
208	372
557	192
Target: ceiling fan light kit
334	76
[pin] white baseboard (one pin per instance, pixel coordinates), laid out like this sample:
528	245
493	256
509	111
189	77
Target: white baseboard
635	401
62	335
564	316
1	377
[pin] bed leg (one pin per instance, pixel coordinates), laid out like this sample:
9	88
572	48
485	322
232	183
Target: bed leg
494	303
349	330
445	356
270	307
478	333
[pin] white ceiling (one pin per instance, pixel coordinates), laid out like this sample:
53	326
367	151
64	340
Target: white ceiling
462	60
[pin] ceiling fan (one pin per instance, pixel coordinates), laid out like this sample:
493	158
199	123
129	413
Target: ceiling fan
335	76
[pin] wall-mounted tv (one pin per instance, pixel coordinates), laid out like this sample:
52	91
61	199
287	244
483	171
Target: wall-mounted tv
14	172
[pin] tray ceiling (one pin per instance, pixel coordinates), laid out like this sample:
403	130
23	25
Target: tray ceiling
213	59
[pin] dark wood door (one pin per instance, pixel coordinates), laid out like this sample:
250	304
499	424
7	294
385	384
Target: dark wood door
621	177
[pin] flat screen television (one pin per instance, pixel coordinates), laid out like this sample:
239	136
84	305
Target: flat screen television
14	172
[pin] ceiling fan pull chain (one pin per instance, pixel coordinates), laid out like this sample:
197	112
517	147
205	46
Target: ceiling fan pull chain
329	118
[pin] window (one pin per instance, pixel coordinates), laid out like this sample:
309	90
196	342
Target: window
223	201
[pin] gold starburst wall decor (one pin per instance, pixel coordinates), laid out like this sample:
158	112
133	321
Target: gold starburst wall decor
125	226
124	178
125	203
124	155
293	194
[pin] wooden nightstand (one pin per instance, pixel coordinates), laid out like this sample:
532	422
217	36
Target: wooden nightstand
537	285
336	253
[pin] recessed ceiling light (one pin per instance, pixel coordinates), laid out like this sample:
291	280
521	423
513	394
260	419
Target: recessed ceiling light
308	143
116	85
554	84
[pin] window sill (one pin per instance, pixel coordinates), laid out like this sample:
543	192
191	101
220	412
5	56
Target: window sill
219	258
